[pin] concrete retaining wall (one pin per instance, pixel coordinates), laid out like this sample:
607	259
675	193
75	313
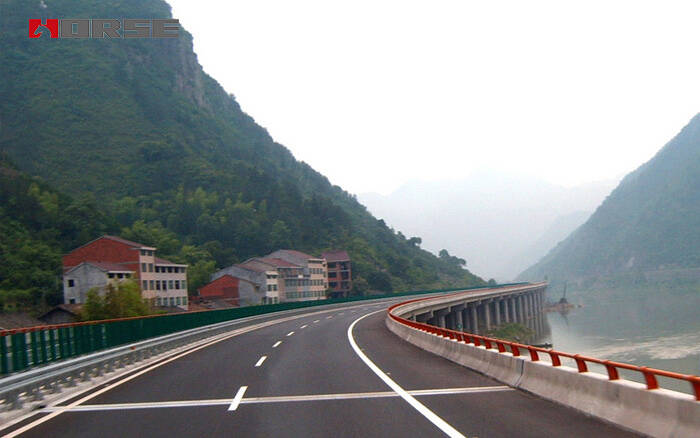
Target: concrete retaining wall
659	412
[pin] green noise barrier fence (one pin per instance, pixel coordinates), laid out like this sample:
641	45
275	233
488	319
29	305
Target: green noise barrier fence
25	348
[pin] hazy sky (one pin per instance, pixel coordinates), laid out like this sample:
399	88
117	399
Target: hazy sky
375	93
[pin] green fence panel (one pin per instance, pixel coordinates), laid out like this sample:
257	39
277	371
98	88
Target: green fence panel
4	355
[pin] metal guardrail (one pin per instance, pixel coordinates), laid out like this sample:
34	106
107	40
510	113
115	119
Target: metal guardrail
25	348
515	348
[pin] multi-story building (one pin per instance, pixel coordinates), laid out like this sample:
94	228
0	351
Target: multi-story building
251	282
111	258
339	273
305	280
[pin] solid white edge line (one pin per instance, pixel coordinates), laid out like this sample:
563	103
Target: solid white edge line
281	399
237	399
420	407
260	361
276	344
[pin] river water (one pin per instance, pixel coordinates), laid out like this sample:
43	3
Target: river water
659	330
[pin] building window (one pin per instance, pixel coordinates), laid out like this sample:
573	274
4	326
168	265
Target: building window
110	275
171	284
144	267
144	285
184	284
157	284
184	300
72	301
150	267
151	282
71	283
177	284
172	301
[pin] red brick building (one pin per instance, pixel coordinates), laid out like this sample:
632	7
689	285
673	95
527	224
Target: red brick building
111	258
339	273
223	288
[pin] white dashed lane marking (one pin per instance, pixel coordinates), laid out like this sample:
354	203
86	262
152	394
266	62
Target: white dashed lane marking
276	344
290	333
260	361
237	399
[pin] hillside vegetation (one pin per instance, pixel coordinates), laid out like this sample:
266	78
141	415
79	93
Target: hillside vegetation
134	135
648	229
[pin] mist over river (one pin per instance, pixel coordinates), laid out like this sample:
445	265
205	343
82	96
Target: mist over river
654	327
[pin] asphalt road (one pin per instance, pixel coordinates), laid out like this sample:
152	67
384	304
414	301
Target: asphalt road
304	378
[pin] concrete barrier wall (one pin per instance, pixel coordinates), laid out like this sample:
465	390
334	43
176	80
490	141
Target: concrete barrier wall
658	412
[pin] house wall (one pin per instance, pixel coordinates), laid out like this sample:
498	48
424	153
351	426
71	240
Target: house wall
84	278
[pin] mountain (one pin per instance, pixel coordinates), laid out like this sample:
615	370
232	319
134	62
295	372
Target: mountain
557	231
489	218
648	227
136	129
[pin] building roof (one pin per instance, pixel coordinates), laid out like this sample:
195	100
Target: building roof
160	261
256	265
127	242
72	309
336	256
18	320
278	263
104	266
296	253
116	239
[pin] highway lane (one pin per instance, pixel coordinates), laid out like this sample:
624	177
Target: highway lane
312	383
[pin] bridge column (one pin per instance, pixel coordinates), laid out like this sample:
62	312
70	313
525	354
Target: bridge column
497	313
466	317
487	315
528	310
440	316
423	317
474	320
457	319
513	313
506	314
521	309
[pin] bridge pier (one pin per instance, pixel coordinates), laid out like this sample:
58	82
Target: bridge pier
506	316
487	316
474	319
497	311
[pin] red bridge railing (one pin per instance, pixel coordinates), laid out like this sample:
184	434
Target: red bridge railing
517	349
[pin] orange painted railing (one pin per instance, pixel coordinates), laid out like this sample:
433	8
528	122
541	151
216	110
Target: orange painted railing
516	349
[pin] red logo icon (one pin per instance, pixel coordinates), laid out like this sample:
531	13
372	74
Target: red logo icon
51	24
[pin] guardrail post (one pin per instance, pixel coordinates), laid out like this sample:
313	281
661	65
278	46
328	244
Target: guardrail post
612	370
555	359
13	401
581	364
533	354
515	350
695	381
650	378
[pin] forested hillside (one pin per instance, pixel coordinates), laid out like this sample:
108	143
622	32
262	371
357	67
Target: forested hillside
650	224
136	135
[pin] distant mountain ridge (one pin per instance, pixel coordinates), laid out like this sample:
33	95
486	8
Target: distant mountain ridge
649	224
491	219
